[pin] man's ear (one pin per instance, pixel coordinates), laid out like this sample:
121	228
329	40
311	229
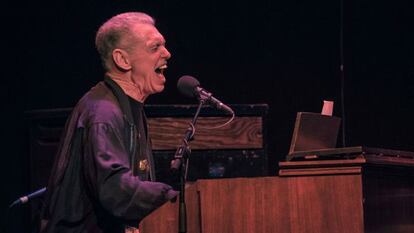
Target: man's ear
121	59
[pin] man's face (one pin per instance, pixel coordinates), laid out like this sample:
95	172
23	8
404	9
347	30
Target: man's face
148	58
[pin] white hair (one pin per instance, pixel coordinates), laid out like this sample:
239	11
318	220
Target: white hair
117	30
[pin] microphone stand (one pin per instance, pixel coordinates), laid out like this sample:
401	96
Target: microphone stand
180	163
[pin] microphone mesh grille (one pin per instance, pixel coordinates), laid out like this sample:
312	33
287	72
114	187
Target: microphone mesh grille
187	85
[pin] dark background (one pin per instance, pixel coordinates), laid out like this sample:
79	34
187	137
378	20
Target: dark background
283	53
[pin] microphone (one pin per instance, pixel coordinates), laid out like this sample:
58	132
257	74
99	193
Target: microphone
190	87
27	198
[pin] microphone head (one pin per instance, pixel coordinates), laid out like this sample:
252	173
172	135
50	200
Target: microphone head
187	85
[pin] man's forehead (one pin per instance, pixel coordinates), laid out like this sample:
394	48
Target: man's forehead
147	32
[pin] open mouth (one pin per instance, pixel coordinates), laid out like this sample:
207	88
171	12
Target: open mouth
160	70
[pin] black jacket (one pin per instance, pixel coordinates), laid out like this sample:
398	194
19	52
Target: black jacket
93	187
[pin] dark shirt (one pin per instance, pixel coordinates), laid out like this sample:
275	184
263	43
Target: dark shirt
137	109
92	187
145	156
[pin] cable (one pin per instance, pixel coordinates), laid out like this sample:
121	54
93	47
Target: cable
342	71
222	125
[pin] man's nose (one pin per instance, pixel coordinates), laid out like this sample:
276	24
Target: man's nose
166	54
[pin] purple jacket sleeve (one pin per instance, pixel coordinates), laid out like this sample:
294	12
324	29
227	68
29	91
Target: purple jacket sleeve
110	180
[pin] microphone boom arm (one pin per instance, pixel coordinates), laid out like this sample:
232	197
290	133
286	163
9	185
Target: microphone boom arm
180	163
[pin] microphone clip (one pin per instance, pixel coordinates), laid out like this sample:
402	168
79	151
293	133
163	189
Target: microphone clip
203	95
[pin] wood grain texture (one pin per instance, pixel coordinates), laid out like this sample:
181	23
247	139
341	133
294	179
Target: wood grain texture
243	133
348	196
244	205
322	163
165	219
300	204
320	171
331	204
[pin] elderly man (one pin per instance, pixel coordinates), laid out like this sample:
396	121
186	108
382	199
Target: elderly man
103	179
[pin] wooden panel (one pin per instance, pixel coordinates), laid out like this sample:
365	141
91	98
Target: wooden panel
326	204
321	167
165	219
322	163
244	205
243	133
285	205
300	204
320	171
334	202
325	195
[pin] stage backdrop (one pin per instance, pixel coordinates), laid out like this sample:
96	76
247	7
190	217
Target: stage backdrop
282	53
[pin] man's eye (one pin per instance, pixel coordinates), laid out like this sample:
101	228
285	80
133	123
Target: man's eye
155	47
